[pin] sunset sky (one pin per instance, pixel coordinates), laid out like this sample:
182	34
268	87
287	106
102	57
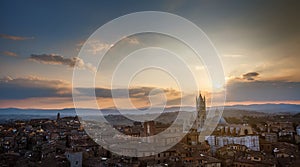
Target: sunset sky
258	43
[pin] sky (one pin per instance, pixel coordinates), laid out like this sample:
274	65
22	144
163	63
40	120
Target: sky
258	43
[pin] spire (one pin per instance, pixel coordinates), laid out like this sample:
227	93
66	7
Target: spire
204	101
58	117
200	97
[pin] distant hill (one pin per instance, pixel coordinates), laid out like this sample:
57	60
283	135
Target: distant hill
233	112
7	114
297	115
10	114
268	108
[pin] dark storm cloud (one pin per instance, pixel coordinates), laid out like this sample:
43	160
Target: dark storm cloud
57	59
250	76
15	38
22	88
263	91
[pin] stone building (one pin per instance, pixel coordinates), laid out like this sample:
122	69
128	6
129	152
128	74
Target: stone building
201	113
234	134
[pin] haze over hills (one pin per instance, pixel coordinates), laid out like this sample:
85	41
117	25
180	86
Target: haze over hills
7	114
268	108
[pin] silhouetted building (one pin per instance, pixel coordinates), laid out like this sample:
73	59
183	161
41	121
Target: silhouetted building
201	113
58	117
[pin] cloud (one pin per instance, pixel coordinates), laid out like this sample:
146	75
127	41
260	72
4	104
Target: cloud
95	46
90	67
8	53
250	76
79	45
60	60
287	68
39	103
131	40
57	59
238	90
174	5
15	38
32	86
39	92
233	55
29	87
140	97
135	92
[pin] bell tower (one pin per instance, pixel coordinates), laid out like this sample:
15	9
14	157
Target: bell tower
201	112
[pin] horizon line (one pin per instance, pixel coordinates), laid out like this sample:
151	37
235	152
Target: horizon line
227	104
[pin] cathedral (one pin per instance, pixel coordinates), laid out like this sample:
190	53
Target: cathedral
201	113
197	120
199	117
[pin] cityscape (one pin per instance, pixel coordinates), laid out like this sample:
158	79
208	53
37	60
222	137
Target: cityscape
264	140
149	84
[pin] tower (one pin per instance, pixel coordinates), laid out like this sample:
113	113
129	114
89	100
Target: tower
201	112
58	117
149	130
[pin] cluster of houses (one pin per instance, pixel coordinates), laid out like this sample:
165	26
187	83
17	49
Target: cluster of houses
65	142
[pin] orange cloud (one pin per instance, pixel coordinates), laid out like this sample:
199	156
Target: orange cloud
61	60
15	38
38	103
8	53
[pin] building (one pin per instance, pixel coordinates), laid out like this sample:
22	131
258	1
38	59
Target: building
201	113
251	141
271	137
202	160
192	138
240	156
253	161
75	158
298	130
195	123
233	134
265	146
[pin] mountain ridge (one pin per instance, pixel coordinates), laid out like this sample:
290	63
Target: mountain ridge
265	108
